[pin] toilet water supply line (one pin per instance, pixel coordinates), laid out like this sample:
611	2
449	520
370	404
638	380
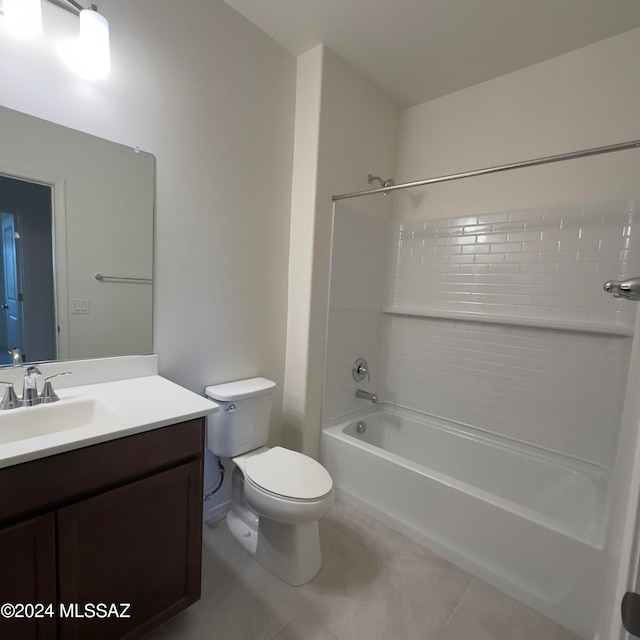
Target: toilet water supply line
209	493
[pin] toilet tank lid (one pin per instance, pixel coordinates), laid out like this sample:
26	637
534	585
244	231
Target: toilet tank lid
230	391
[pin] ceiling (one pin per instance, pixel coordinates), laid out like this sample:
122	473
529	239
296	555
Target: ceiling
417	50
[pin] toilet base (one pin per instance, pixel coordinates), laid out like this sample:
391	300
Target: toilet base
290	552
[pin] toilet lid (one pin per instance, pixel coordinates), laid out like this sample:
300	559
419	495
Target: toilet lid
289	474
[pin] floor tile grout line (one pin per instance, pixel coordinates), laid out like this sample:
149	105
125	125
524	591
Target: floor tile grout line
468	616
473	579
453	612
460	612
271	637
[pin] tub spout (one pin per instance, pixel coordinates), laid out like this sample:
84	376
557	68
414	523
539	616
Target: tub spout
366	395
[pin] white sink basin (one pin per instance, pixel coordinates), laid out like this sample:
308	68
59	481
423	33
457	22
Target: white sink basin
46	419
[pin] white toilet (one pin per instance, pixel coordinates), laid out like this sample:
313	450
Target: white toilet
277	495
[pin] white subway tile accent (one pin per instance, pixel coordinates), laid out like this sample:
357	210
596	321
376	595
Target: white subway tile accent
589	240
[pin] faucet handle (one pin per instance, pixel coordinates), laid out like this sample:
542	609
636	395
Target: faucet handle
9	400
360	370
48	393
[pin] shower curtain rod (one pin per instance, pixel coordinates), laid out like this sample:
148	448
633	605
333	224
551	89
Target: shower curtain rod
622	146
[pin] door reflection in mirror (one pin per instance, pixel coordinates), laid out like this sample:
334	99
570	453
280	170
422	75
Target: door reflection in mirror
27	290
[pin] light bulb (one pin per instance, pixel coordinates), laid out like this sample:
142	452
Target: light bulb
23	17
89	55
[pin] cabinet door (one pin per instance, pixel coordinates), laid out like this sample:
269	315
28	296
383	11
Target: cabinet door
139	545
27	577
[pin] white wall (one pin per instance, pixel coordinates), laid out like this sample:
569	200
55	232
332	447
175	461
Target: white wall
345	130
212	98
586	98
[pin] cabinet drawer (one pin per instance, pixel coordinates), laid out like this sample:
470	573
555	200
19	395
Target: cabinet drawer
47	483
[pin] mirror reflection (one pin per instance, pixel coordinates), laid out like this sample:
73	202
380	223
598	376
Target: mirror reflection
76	215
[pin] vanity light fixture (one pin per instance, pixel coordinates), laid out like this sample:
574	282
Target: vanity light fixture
88	54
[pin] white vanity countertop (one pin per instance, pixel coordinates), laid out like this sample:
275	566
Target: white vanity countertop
96	413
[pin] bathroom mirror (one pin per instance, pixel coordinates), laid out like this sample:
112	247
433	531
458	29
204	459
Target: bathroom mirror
73	207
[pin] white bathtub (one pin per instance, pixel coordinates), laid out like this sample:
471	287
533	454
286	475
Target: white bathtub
532	523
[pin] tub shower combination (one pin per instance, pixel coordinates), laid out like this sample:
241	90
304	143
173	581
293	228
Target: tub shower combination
519	497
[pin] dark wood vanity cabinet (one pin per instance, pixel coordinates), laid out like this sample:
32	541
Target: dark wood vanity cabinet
109	535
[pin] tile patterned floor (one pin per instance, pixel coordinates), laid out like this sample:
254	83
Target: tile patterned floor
375	584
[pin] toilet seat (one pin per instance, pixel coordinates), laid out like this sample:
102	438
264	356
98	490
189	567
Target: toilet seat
288	474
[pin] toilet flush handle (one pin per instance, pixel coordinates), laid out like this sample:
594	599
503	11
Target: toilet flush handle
231	408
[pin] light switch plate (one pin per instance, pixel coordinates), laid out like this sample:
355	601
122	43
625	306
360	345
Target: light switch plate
79	305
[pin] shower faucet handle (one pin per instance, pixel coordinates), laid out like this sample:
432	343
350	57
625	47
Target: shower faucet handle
361	370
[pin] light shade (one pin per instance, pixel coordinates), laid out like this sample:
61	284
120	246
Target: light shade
23	17
90	54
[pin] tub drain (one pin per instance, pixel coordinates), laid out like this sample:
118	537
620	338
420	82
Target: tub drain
361	427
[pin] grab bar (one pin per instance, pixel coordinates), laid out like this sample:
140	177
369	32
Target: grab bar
103	278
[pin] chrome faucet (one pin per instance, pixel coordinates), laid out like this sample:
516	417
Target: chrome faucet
30	387
366	395
30	395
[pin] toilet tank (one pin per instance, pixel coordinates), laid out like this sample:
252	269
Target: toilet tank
242	423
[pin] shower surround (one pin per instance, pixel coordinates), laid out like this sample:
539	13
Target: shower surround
501	321
496	323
